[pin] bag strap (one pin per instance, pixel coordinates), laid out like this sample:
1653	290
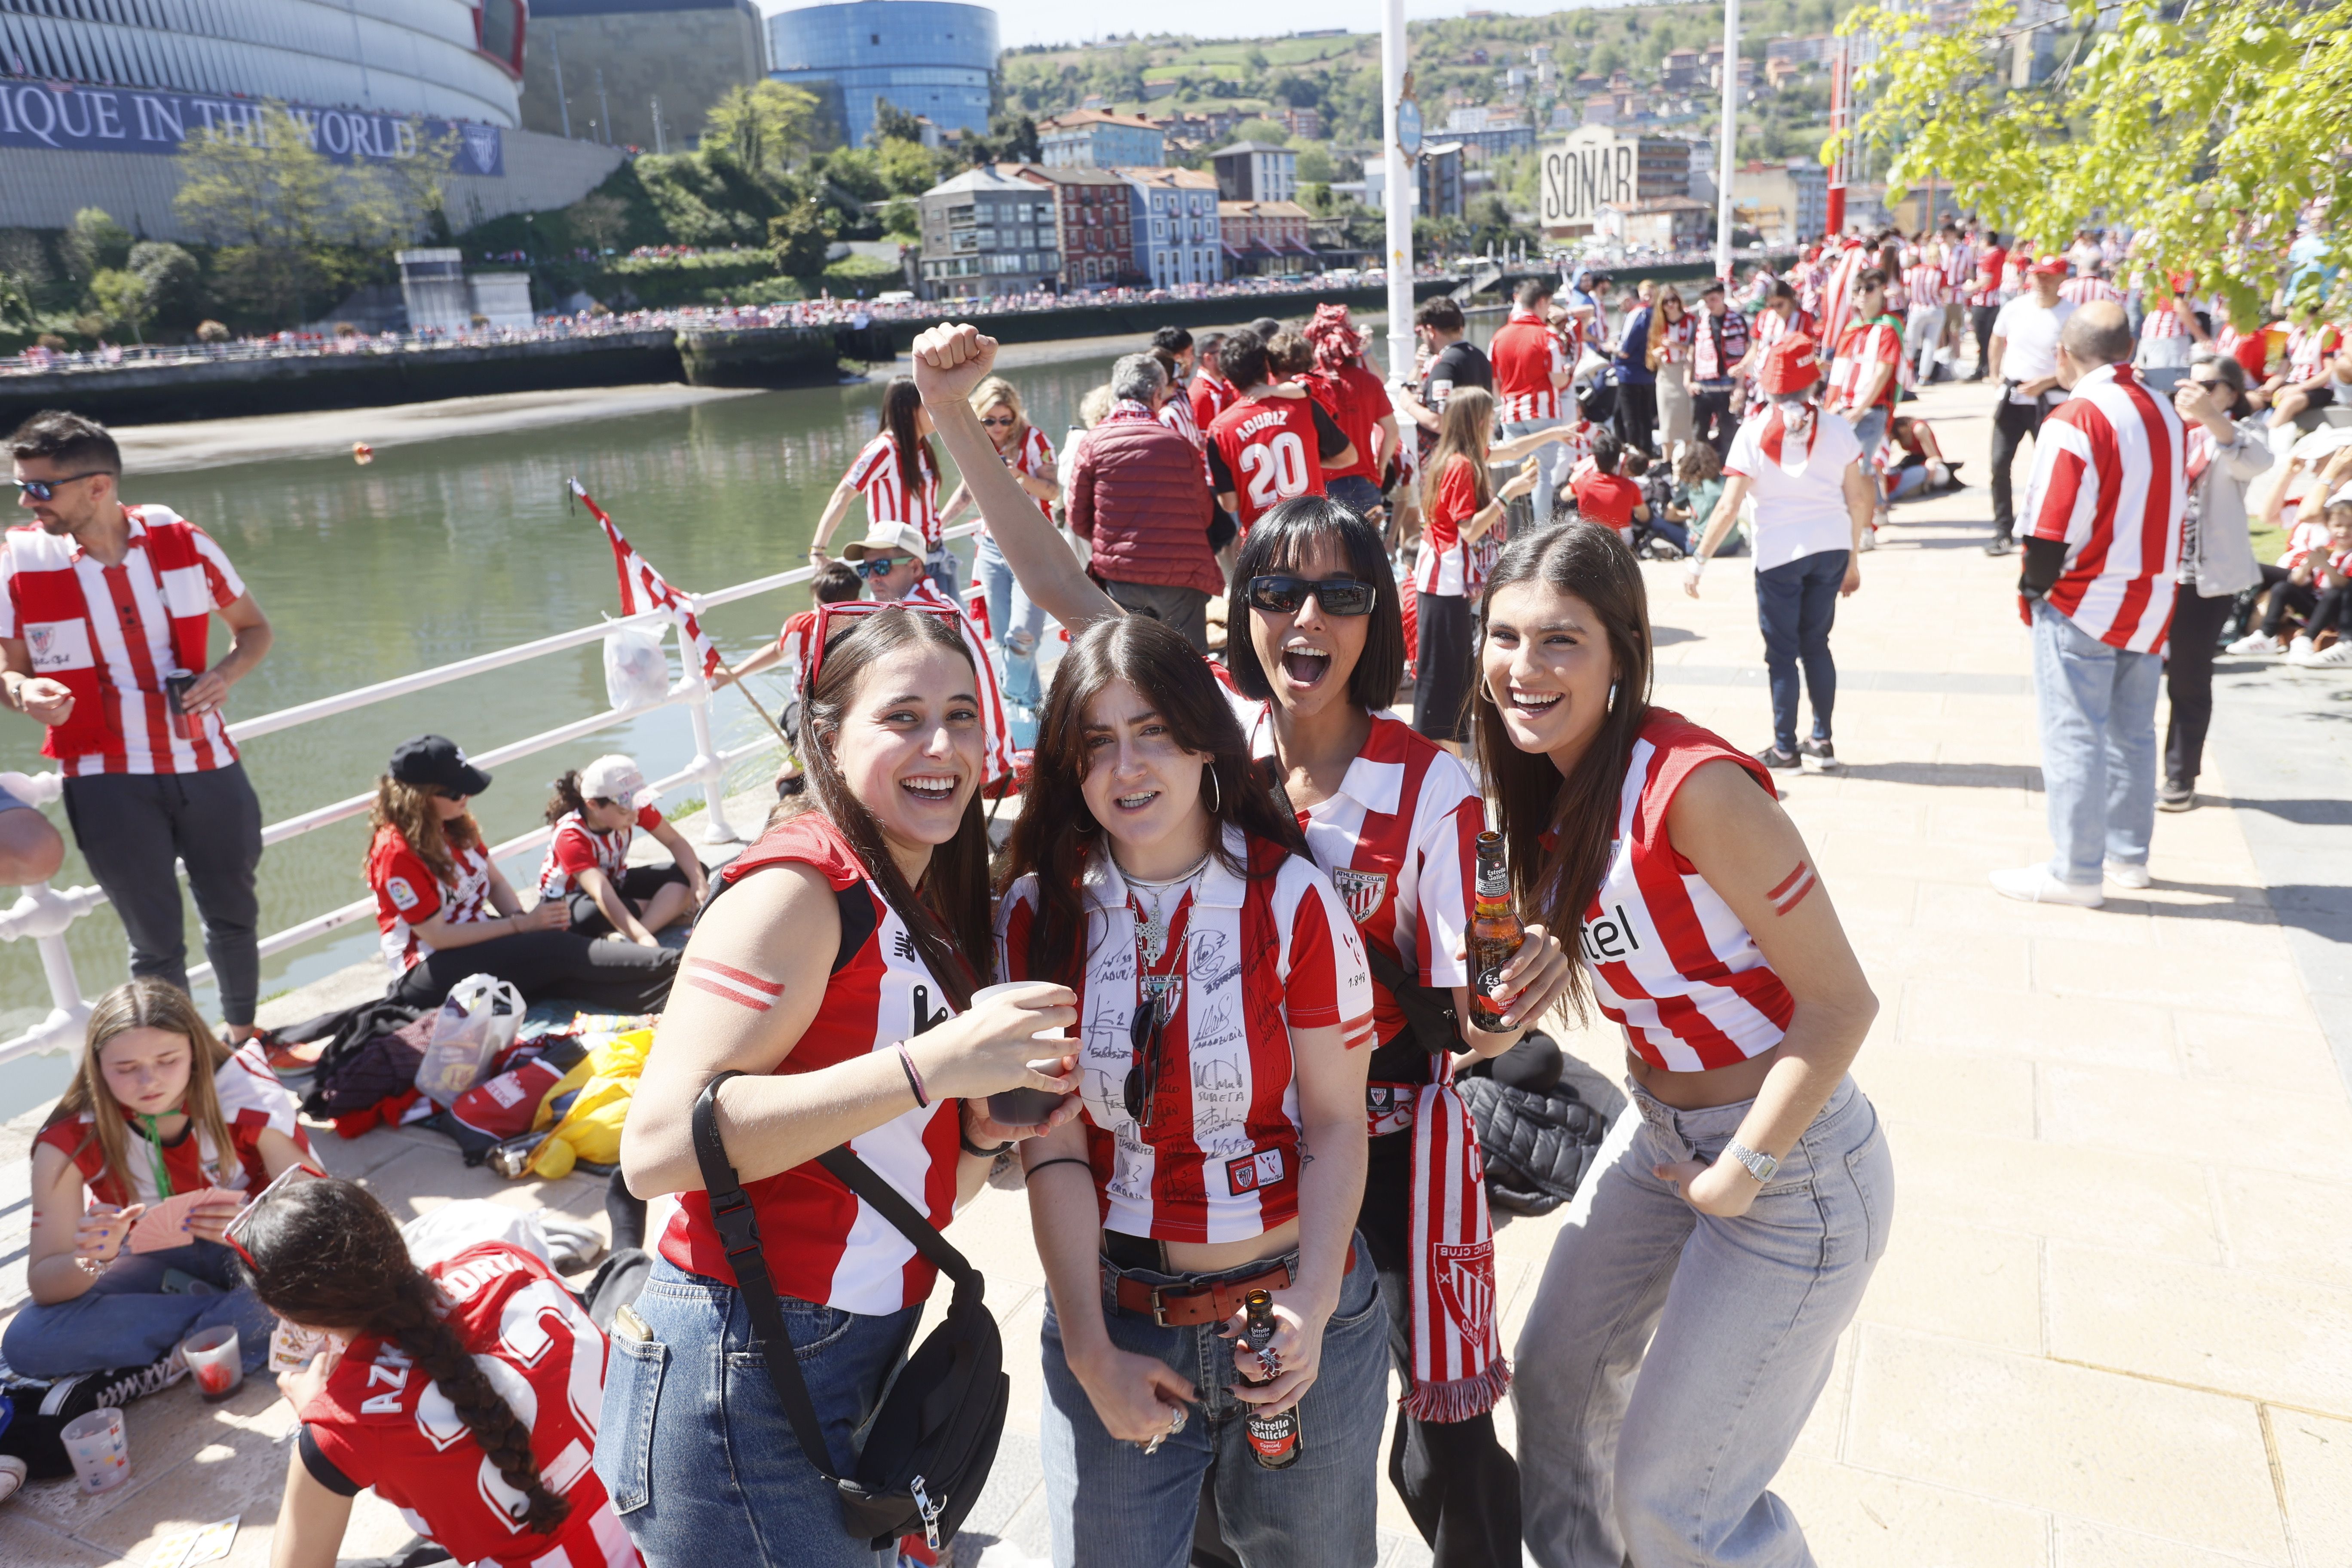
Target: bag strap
739	1235
887	1200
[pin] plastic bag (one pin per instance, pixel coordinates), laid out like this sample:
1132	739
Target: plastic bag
477	1020
636	671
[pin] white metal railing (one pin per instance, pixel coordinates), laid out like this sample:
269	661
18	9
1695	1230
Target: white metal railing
43	913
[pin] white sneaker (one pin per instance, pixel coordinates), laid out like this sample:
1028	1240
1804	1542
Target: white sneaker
1870	538
2035	884
2336	657
2256	642
2298	650
2124	874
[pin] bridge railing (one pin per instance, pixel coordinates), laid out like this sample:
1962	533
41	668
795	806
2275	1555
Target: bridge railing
43	914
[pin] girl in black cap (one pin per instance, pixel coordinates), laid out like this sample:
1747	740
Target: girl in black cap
447	912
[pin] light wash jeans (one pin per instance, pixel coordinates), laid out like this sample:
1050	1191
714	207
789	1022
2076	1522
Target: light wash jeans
1922	334
694	1445
1870	429
2098	705
1013	621
946	572
128	1318
1112	1506
1663	1459
1545	486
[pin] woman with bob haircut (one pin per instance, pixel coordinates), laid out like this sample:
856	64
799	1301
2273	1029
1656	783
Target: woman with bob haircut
831	969
1225	996
1315	651
1732	1217
159	1107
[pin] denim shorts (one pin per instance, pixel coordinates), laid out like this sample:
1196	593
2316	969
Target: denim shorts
1113	1506
694	1447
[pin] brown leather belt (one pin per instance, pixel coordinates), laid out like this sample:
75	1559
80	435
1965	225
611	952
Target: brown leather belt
1188	1306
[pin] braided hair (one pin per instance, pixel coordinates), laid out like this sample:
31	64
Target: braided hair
326	1254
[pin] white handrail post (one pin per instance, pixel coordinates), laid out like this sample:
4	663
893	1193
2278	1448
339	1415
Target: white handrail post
708	765
43	913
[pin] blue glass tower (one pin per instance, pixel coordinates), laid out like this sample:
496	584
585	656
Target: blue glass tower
931	58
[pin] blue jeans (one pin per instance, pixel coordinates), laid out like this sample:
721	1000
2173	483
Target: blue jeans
1014	622
1112	1506
1796	604
1662	1456
1871	431
694	1447
947	573
1545	487
1357	493
2097	706
127	1319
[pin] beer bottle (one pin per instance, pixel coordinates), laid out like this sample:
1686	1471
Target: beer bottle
1494	934
1273	1439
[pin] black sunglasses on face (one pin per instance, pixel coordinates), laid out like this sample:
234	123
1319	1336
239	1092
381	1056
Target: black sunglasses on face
1284	594
1151	1024
46	490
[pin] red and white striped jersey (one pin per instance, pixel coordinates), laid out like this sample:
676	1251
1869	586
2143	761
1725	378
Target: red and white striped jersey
996	734
1525	355
407	894
1210	395
887	501
1769	328
2308	538
2109	482
383	1423
112	634
1991	265
1445	564
252	1101
1034	458
1249	960
577	846
1927	284
1868	348
2087	289
1838	291
1399	842
2163	320
2308	347
1960	266
1670	961
1177	414
822	1243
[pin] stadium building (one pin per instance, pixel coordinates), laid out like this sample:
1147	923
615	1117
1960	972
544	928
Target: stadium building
930	58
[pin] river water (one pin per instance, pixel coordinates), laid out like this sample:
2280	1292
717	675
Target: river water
460	545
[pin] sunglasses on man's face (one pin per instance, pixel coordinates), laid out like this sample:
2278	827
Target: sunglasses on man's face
874	568
1282	595
46	490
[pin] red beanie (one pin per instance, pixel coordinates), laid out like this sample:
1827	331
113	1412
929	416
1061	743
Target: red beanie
1790	365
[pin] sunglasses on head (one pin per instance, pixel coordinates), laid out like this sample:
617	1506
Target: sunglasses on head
875	567
46	490
1283	594
1145	1034
840	617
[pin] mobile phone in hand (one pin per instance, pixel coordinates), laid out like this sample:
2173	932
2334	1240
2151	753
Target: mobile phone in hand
176	694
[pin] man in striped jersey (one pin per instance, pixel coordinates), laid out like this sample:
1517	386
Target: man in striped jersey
2102	521
105	619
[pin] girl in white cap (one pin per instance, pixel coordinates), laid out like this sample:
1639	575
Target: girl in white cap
596	812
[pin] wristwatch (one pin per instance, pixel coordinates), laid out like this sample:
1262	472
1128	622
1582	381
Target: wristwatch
1759	1166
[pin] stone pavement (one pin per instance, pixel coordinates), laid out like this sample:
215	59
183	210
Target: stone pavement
2113	1326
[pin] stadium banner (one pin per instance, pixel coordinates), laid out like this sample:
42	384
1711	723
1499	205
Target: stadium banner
72	116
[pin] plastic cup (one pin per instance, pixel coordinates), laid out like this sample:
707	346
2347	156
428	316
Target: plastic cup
214	1355
100	1450
1024	1107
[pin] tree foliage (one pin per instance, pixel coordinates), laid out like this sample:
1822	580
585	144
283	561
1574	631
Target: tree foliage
766	128
2212	127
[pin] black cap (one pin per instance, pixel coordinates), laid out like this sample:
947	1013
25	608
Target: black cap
1714	286
438	761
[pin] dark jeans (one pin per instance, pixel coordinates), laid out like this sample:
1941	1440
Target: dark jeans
1796	604
2012	423
1712	420
1637	415
1185	609
605	972
2290	597
1459	1482
637	884
1982	318
2189	682
131	827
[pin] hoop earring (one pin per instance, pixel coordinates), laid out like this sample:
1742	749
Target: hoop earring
1216	793
1611	704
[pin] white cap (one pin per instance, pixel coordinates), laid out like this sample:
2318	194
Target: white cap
615	778
2343	495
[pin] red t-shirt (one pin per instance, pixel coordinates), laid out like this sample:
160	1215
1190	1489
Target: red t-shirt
1607	498
1269	451
1357	401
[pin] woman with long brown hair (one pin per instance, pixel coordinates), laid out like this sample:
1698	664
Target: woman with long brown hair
465	1394
444	910
1732	1218
158	1110
1224	991
829	970
1459	506
1672	331
899	473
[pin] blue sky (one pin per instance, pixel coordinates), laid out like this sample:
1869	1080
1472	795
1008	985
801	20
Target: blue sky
1023	22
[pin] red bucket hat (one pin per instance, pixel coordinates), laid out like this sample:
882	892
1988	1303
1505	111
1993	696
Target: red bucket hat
1792	365
2052	266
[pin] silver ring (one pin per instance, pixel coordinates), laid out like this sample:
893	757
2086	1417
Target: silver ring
1271	1359
1175	1425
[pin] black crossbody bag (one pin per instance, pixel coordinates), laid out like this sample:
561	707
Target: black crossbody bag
929	1447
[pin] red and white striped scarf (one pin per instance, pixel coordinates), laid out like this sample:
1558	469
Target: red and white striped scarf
1458	1367
1775	433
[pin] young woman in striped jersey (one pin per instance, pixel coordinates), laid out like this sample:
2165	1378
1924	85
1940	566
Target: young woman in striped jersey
1738	1207
1393	820
829	970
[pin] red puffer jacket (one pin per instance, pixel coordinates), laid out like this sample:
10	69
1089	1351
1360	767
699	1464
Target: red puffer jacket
1138	495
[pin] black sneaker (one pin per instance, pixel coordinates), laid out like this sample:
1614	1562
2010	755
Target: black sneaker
71	1396
2001	544
2172	797
1822	754
1774	757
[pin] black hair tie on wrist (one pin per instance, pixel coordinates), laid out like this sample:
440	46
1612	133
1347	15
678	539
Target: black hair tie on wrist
971	1148
1061	1160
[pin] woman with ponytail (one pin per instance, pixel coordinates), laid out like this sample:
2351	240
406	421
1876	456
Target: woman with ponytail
466	1395
1734	1214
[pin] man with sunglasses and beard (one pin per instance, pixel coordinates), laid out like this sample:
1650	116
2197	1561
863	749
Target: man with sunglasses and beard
105	620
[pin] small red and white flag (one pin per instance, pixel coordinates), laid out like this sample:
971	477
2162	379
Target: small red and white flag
643	588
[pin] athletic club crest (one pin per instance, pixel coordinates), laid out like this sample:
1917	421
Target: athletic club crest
482	147
1365	891
1466	1280
1167	989
41	640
